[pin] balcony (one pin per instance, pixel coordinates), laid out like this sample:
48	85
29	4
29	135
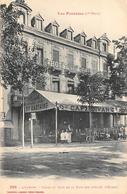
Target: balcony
70	70
84	70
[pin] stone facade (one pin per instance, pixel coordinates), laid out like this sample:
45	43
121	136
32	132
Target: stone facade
65	55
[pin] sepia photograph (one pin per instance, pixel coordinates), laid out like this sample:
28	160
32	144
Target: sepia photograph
63	96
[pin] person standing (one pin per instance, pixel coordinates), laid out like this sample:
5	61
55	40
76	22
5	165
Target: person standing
62	137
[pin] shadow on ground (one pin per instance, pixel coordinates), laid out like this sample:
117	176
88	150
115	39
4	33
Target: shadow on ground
105	161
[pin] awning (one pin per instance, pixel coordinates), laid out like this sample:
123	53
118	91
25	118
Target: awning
43	100
6	124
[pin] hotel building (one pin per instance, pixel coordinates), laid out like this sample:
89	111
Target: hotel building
65	55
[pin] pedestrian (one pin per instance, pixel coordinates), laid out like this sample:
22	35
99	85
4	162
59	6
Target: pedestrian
69	133
62	137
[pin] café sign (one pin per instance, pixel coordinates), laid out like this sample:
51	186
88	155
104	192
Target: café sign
37	107
84	108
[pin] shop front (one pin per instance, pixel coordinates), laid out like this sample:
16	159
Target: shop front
56	112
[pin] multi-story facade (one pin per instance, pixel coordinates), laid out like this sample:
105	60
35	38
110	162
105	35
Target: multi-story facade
65	55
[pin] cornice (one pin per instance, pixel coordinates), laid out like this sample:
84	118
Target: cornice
63	41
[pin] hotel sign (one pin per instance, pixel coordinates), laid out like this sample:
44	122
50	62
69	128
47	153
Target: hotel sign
83	108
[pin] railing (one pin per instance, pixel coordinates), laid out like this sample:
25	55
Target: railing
71	69
60	66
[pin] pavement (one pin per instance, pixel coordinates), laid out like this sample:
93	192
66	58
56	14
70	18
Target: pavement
51	147
64	168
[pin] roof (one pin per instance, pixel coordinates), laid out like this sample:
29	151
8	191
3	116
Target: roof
40	100
62	98
39	16
104	37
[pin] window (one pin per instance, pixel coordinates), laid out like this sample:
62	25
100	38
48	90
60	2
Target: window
104	47
55	86
105	69
22	19
69	35
70	88
55	55
40	56
94	44
94	67
70	60
82	40
55	30
38	24
83	63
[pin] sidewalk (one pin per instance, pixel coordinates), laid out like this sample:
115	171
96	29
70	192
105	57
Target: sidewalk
59	147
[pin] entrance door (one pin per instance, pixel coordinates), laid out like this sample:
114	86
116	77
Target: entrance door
7	135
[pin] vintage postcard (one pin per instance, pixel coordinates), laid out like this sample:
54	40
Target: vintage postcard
63	96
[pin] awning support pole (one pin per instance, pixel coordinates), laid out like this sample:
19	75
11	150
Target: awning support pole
32	139
23	119
56	124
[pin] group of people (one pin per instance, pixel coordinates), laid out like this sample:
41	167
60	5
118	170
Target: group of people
65	136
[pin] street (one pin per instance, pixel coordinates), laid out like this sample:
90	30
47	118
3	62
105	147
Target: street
80	161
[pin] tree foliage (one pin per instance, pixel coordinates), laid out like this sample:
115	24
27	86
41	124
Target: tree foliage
19	61
118	68
91	88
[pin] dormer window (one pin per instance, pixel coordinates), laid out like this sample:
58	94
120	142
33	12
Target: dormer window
69	35
39	24
22	18
83	40
103	43
104	47
24	11
55	30
94	44
80	38
52	28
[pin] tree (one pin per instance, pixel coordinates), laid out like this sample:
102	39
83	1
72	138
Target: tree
19	61
118	68
91	89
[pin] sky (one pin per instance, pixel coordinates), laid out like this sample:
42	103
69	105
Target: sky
99	16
